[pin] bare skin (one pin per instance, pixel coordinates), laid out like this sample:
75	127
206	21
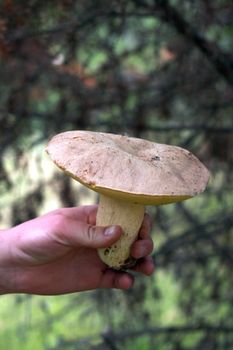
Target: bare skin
57	254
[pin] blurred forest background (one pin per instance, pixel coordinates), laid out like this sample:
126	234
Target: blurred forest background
156	69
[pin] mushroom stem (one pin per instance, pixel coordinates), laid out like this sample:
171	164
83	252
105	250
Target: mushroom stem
129	216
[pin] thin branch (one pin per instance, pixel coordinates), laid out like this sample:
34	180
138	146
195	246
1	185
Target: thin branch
201	231
152	331
109	341
171	330
25	33
64	27
158	128
221	60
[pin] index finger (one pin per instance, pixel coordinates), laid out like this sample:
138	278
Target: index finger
86	213
146	226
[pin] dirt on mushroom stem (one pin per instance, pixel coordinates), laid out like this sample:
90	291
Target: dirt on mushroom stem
129	216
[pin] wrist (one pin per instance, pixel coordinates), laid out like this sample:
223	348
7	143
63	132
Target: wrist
6	281
9	274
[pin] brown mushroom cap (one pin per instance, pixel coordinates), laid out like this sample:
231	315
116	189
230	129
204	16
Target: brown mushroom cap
129	168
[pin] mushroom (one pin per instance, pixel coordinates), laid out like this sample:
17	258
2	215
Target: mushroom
128	173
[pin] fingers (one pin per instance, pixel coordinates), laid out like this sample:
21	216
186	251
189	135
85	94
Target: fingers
142	248
124	280
146	226
117	279
86	213
145	266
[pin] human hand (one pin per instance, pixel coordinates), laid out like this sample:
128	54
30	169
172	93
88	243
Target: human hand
57	254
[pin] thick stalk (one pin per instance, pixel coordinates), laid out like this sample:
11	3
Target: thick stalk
127	215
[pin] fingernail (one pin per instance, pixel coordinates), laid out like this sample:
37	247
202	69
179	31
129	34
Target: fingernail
110	231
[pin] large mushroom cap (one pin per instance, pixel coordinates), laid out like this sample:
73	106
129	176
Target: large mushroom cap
129	168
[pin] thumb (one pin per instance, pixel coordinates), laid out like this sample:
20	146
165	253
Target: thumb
100	237
79	233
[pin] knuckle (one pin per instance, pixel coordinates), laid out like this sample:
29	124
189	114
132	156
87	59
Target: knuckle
58	221
91	233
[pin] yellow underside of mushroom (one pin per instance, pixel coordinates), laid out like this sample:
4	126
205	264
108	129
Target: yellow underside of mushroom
138	198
